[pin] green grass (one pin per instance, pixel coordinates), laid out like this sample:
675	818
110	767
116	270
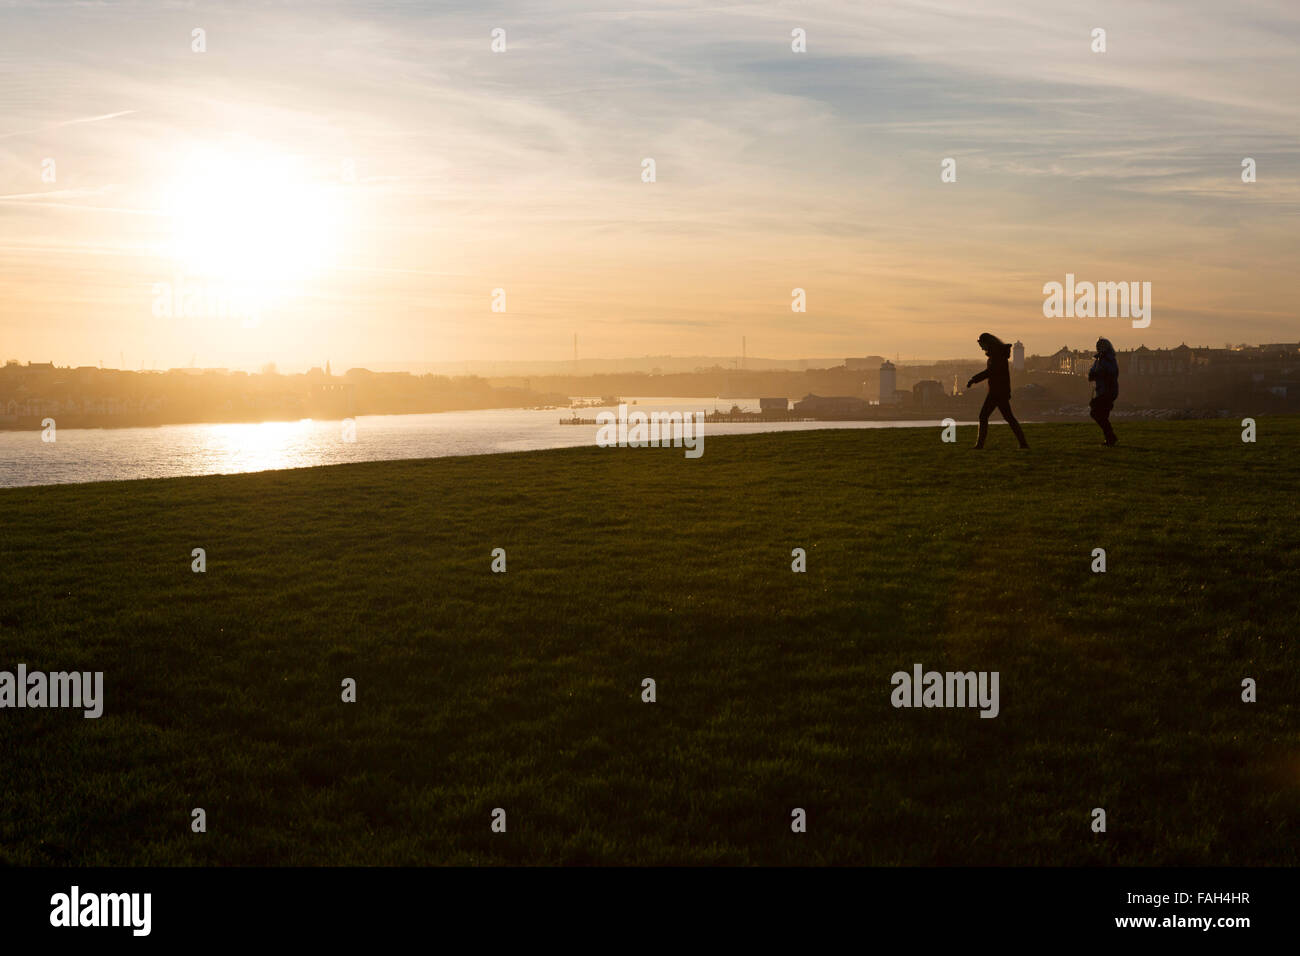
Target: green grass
522	690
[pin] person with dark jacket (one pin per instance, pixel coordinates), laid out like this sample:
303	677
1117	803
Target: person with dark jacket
998	373
1104	375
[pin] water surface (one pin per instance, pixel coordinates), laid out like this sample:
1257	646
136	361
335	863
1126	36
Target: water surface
108	454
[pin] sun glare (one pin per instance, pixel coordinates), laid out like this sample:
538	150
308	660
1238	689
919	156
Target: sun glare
244	216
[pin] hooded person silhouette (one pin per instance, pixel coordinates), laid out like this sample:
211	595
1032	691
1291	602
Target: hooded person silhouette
998	373
1104	375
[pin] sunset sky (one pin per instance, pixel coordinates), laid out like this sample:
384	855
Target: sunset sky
377	171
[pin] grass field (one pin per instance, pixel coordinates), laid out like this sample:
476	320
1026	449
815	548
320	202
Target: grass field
523	690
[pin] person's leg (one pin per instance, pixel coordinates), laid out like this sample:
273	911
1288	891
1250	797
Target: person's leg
985	410
1104	421
1004	407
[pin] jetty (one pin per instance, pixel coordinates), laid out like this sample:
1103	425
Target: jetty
714	417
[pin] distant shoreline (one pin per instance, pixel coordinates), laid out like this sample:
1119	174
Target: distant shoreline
1079	413
68	422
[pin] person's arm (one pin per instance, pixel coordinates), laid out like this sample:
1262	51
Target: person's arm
975	379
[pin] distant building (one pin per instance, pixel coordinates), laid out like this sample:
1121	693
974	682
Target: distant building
837	406
1145	361
888	383
928	393
1071	362
1018	356
774	404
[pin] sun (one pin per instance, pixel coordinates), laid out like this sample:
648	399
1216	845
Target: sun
250	216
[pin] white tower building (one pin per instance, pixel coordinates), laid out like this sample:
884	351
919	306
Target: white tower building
888	383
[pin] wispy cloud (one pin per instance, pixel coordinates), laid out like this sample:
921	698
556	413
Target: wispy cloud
71	122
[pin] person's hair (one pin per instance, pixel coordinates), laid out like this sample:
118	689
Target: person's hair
1103	345
993	345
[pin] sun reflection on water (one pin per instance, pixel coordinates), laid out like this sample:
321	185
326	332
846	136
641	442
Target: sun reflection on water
259	446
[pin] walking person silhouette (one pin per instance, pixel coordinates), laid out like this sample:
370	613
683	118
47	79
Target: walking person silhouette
1104	375
998	373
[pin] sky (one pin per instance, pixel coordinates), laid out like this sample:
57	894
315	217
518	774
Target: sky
354	181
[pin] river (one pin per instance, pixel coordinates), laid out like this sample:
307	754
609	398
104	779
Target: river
114	454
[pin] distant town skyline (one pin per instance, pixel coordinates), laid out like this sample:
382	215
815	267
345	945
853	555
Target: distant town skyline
599	365
374	179
1166	382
